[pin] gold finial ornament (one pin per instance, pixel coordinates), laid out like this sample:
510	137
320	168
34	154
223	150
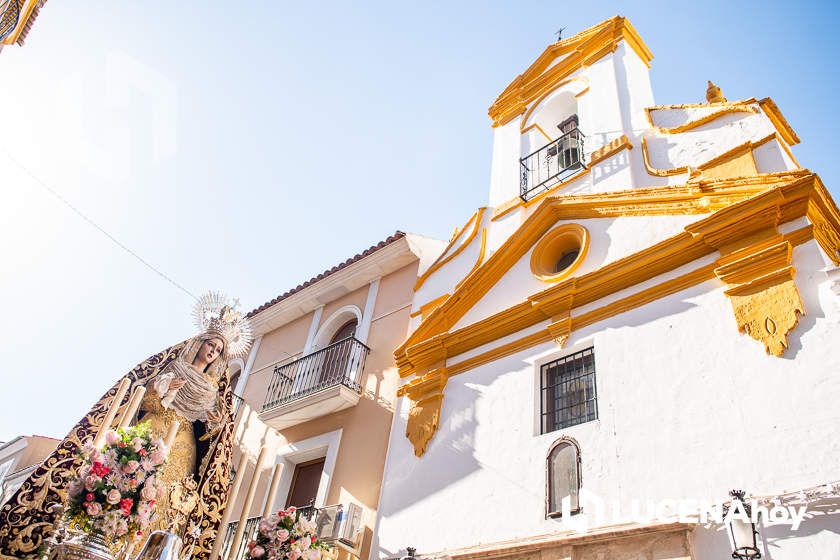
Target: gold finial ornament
714	94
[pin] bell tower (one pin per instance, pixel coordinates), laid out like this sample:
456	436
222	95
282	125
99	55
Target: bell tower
578	96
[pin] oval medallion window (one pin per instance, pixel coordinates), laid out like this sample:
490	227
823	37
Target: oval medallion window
559	252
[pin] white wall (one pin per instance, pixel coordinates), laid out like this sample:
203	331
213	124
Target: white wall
688	408
610	239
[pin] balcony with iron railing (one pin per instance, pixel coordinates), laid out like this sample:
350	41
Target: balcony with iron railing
337	525
554	162
317	384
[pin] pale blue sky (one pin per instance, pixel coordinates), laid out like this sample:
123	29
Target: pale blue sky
247	147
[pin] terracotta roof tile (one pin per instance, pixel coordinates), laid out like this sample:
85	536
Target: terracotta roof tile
387	241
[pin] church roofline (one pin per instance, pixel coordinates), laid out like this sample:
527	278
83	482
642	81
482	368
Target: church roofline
580	50
327	273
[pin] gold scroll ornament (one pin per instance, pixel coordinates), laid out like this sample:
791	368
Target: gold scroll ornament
764	297
426	395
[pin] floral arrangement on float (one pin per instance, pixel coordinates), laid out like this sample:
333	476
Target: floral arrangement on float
115	491
287	535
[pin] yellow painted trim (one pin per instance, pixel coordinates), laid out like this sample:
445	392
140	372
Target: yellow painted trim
540	99
727	155
741	102
740	206
475	220
609	149
538	127
429	306
660	172
704	119
779	121
481	250
581	50
517	202
612	309
581	239
786	148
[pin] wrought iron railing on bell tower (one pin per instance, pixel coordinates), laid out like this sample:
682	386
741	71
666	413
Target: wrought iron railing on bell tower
557	160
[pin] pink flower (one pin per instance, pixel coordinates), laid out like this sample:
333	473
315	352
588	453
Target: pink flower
93	508
148	492
130	467
99	469
313	554
305	542
137	444
157	457
125	505
257	552
114	497
294	554
91	481
282	535
112	437
146	465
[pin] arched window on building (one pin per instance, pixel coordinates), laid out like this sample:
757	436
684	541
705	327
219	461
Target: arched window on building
337	357
563	476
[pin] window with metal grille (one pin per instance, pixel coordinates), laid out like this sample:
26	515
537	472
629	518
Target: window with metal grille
567	391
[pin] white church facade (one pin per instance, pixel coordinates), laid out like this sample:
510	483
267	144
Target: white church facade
644	313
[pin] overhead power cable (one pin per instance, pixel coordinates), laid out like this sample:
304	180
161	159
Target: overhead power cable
102	230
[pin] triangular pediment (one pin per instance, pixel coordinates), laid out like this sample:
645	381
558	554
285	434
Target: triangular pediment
561	59
729	205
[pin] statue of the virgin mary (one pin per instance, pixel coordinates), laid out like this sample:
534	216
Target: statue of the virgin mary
186	383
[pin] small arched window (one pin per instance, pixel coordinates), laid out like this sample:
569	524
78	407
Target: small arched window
347	330
563	477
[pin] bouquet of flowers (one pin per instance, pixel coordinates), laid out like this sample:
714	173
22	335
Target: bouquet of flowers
286	535
116	488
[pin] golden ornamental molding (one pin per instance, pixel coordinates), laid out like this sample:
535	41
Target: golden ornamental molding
609	149
424	310
544	250
426	392
524	127
749	205
727	110
779	121
446	256
578	51
764	297
540	129
482	249
713	164
426	395
699	105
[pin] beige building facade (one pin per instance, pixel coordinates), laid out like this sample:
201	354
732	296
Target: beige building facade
317	396
18	458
